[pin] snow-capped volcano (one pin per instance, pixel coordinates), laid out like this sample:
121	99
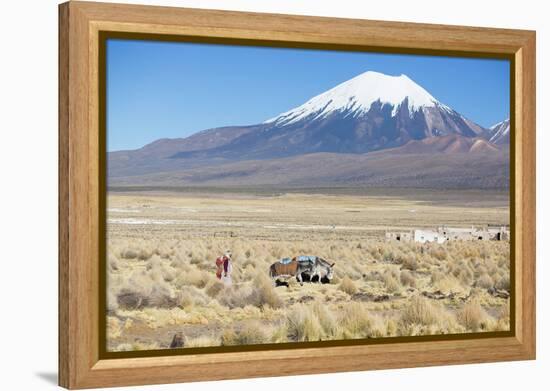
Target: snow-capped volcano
370	112
356	96
500	133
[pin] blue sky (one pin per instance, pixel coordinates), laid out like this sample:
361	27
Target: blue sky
163	89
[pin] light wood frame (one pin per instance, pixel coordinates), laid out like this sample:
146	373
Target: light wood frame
80	162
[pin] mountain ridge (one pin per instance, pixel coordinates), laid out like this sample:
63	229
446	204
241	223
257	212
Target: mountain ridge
372	114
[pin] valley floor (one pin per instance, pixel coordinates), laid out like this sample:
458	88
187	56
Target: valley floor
162	247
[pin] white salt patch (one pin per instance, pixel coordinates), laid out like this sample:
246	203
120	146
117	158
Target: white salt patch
141	221
122	210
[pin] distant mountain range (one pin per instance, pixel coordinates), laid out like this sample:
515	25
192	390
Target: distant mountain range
372	130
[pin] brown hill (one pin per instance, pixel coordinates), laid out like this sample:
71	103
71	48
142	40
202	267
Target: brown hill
451	143
388	168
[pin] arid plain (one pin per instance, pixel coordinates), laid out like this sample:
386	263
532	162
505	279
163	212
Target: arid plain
162	247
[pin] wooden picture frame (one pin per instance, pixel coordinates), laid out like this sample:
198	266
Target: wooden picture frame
81	24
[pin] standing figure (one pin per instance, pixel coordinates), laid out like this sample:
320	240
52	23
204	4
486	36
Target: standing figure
219	267
224	268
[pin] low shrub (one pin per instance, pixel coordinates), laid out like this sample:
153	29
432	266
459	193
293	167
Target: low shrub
144	289
484	281
503	282
214	287
348	286
472	316
249	334
391	282
264	293
421	311
357	322
407	278
303	324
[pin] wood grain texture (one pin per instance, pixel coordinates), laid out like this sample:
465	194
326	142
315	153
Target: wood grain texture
63	200
79	167
526	212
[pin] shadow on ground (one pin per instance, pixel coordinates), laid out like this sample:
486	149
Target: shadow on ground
49	377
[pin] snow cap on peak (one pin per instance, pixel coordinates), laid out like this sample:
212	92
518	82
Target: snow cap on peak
357	95
501	130
506	122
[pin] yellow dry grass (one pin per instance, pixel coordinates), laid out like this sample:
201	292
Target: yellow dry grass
162	248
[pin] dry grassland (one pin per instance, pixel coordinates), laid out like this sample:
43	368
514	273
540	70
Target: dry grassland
162	247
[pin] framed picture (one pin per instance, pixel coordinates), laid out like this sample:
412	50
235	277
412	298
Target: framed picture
247	195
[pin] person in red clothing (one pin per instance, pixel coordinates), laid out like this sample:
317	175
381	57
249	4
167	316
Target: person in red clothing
219	267
224	268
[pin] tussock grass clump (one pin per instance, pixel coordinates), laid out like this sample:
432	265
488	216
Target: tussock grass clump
235	296
129	253
141	254
466	277
391	328
303	324
376	252
484	281
327	320
407	279
391	281
459	267
439	252
410	262
261	293
358	322
502	322
192	296
264	293
201	342
388	257
279	333
192	277
473	316
310	323
162	268
436	276
348	286
228	338
503	282
373	276
422	312
144	289
214	287
249	334
196	259
162	295
446	283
